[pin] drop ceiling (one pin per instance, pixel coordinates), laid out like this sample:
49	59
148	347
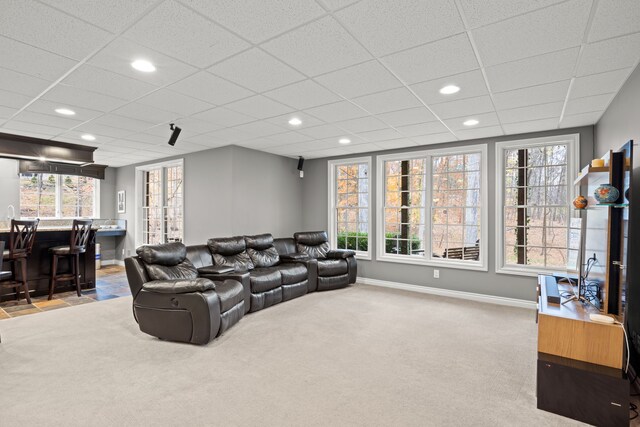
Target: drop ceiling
235	72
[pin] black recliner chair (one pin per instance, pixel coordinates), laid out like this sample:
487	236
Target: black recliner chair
172	303
337	268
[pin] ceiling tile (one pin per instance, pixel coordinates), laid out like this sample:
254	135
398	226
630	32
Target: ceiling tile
112	15
210	88
541	94
98	129
24	84
13	100
75	137
307	120
337	111
196	126
546	30
419	129
435	138
257	71
612	54
38	129
531	126
367	147
289	138
380	135
50	29
259	107
119	55
390	100
597	103
121	122
318	47
586	119
537	70
108	83
480	132
303	95
231	135
30	133
483	12
615	18
597	84
362	124
223	117
177	31
260	128
337	4
168	100
322	131
258	20
145	112
6	112
76	97
30	60
361	79
385	27
455	55
258	144
485	119
533	112
463	107
407	117
47	120
395	143
471	84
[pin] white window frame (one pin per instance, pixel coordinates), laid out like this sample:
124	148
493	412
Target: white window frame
573	165
332	216
96	197
482	264
139	196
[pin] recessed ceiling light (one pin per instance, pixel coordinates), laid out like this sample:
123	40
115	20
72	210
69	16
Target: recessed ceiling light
471	122
65	112
344	141
143	65
449	90
295	121
43	159
88	137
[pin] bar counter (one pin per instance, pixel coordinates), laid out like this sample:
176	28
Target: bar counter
39	262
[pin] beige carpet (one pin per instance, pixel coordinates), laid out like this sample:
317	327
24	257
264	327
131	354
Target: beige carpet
358	356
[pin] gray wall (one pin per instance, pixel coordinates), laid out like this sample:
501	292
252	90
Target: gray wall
9	186
314	200
227	191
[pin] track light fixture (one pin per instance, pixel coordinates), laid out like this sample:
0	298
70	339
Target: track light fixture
174	134
300	165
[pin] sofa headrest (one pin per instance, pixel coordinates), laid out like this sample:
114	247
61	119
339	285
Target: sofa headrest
311	238
168	254
259	242
227	245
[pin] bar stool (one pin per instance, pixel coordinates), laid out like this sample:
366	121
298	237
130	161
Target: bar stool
21	238
77	245
4	275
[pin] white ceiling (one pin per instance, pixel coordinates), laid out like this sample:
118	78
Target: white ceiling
235	72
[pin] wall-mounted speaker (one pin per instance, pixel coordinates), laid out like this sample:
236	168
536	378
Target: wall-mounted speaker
174	134
300	165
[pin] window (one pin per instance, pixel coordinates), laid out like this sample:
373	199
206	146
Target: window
534	189
162	203
47	195
433	209
349	215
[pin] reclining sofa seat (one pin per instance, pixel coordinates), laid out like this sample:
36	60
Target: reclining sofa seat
336	268
272	278
172	303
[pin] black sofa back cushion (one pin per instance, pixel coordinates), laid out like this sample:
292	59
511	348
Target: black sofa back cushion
168	254
261	250
230	251
313	243
184	270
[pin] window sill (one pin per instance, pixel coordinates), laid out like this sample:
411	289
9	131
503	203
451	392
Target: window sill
515	271
433	263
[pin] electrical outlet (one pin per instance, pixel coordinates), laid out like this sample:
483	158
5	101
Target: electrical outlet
436	274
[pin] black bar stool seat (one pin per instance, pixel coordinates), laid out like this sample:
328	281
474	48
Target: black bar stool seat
21	238
77	245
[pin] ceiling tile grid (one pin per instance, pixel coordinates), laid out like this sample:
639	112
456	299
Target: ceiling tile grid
231	72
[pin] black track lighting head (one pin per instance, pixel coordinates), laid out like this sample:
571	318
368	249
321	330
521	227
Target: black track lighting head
300	165
174	134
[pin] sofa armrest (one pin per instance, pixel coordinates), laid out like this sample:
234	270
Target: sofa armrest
298	256
216	269
340	253
242	277
179	286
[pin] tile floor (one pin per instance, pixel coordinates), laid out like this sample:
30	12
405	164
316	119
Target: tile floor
111	282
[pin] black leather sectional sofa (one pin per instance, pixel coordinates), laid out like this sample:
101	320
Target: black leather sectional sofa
195	293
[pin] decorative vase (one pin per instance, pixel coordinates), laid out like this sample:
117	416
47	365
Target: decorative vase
606	193
580	202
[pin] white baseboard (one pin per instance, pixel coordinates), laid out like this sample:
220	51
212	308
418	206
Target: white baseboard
513	302
113	262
